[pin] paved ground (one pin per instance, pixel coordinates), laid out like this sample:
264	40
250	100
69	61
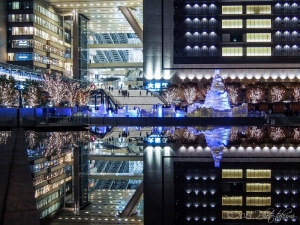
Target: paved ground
138	98
105	205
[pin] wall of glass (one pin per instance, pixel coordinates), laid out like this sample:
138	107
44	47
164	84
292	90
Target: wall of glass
36	19
36	32
232	51
258	23
20	5
232	23
234	9
48	13
258	9
258	37
258	51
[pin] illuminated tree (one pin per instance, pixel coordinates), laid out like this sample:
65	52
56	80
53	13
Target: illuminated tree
71	92
255	93
83	96
233	93
296	93
255	133
171	94
190	93
32	96
9	95
277	93
56	88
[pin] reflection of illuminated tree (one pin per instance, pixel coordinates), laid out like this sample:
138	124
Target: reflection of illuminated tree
4	135
57	142
181	135
277	134
296	134
255	133
233	136
32	139
277	93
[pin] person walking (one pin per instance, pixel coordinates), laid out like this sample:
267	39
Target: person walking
140	92
128	94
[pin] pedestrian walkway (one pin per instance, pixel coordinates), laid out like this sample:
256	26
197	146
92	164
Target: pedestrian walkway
137	98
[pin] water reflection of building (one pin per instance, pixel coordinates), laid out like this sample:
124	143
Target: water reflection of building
252	178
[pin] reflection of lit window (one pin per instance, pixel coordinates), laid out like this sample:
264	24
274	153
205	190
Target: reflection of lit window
232	200
258	201
258	187
258	37
258	173
232	215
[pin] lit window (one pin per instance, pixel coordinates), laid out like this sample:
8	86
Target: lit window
228	173
234	9
259	37
263	23
232	51
258	9
258	51
232	23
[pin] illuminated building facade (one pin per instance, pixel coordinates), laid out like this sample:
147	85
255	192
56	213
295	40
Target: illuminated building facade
253	40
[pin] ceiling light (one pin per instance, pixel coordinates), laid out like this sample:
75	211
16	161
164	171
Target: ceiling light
91	4
104	4
65	5
57	5
98	4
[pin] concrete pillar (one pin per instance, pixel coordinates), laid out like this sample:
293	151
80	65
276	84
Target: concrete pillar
112	72
75	47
